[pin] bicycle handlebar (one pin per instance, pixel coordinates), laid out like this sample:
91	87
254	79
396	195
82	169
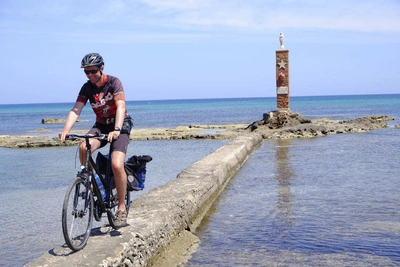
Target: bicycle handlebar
77	136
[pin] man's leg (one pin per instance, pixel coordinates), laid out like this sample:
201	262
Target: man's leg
120	147
95	144
118	161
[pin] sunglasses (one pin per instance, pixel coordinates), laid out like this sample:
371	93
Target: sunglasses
91	71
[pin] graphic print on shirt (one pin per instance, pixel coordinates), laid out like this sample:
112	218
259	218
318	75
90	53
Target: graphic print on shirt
99	98
104	106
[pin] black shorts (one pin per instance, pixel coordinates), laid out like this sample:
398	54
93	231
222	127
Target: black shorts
121	144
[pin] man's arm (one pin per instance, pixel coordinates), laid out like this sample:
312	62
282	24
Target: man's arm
119	119
72	117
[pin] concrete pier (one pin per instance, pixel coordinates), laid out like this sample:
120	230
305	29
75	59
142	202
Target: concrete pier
164	217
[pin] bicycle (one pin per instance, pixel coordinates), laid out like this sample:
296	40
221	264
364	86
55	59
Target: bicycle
83	200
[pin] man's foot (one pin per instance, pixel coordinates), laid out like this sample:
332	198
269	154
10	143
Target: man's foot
120	220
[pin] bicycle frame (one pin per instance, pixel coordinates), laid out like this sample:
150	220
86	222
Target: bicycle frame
90	168
83	198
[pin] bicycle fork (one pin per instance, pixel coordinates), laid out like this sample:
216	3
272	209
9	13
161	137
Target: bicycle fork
85	195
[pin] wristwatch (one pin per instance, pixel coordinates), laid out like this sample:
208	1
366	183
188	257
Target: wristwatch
117	129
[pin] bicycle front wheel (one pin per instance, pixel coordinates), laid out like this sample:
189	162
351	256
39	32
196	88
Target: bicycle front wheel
77	214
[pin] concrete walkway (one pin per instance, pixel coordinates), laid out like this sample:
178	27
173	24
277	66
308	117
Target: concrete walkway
166	216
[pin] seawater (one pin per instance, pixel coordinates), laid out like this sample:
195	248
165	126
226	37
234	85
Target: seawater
321	201
330	201
26	119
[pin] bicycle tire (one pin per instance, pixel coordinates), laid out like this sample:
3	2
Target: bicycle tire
76	220
114	207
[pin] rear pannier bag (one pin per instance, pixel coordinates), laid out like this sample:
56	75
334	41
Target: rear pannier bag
135	168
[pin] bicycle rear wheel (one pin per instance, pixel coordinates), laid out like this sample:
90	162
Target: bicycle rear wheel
77	217
111	213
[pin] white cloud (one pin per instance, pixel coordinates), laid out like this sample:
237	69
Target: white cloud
149	20
103	12
260	15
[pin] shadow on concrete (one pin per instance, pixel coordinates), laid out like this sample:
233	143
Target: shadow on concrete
105	230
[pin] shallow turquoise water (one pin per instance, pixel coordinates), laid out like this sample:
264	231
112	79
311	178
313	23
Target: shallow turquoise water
329	201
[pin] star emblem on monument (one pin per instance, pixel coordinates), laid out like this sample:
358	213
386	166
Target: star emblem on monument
282	64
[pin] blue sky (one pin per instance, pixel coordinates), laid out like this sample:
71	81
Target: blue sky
183	49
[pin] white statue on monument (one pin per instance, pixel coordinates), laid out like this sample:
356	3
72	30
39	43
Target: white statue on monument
281	40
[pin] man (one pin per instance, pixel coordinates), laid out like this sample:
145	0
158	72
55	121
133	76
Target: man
107	98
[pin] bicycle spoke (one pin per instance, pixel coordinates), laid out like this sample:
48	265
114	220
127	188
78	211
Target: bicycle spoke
77	217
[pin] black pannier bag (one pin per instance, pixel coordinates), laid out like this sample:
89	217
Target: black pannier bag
135	168
101	162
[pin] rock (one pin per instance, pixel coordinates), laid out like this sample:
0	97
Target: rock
52	120
40	130
57	121
276	120
286	125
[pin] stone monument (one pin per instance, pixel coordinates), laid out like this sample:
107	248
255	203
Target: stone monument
282	40
282	77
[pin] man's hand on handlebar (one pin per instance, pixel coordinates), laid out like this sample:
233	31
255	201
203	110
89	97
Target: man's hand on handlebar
113	136
63	136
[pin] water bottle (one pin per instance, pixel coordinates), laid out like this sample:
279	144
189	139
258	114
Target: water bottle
100	185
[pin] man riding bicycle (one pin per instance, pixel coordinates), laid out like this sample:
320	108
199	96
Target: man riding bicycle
107	98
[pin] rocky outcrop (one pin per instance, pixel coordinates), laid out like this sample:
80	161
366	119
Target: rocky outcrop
52	120
221	132
287	125
32	141
274	125
228	131
57	121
